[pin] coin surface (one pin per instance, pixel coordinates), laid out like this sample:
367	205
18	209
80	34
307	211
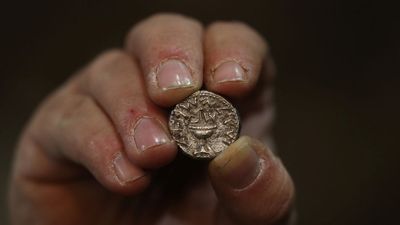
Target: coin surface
204	124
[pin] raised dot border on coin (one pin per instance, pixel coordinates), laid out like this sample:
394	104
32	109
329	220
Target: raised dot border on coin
204	124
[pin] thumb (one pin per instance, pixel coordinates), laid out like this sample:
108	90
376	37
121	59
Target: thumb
251	183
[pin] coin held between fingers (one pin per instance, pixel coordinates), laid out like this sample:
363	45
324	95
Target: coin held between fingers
204	124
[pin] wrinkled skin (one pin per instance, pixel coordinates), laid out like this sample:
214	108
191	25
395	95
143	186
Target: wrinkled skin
98	151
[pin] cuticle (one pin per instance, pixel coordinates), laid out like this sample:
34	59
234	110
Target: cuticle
136	178
165	129
239	62
156	69
121	182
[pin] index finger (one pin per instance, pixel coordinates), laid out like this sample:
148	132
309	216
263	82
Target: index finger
169	49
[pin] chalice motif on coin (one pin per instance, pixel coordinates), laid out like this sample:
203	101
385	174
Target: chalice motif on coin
204	124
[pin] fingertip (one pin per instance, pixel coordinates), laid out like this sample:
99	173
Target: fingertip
125	177
251	183
148	143
175	74
237	166
172	80
234	55
249	162
231	79
153	22
169	49
118	174
155	156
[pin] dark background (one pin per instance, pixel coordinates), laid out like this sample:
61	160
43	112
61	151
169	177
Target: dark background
338	75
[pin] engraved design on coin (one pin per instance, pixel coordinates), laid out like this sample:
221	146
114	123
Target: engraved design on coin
204	124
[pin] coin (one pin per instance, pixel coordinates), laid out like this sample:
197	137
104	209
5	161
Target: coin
204	124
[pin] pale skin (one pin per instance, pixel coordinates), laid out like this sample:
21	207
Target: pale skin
98	149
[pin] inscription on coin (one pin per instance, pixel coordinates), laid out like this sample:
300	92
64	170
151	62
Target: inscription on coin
204	124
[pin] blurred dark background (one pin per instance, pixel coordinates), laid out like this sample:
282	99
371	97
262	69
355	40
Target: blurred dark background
337	87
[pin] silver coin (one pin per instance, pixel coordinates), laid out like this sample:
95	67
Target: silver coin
204	124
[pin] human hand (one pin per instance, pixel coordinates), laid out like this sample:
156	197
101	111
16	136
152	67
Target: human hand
98	150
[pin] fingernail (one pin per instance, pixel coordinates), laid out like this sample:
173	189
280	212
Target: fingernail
229	71
239	165
125	170
173	74
148	132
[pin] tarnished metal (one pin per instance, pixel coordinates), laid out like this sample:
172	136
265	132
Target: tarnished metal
204	124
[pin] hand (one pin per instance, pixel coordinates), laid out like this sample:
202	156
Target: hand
98	150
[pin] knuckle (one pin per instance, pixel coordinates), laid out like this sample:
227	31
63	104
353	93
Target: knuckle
160	21
113	54
235	26
169	18
74	106
103	63
240	29
107	58
229	24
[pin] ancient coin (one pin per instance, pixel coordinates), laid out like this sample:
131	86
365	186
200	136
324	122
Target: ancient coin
204	124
